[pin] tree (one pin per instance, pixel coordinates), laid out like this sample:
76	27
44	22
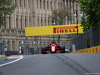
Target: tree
92	11
60	15
6	8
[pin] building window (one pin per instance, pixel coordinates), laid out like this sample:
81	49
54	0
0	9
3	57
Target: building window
44	44
8	45
41	21
17	23
54	5
45	22
58	5
21	22
29	3
37	3
51	5
10	22
13	45
48	22
38	20
24	3
30	21
6	23
47	5
15	1
44	4
25	22
20	3
40	4
61	6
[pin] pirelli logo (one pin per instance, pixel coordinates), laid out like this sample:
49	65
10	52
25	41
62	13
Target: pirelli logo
65	29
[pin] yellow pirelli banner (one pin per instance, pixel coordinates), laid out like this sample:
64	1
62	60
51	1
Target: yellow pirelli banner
53	30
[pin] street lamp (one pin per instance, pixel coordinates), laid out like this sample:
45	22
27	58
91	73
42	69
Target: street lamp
34	46
27	47
1	35
76	15
1	40
53	23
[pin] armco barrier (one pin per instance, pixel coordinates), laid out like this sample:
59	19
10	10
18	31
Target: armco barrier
95	49
8	53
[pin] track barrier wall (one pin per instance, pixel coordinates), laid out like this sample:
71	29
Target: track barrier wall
95	49
8	53
87	40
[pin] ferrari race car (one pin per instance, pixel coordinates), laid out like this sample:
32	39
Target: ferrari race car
53	48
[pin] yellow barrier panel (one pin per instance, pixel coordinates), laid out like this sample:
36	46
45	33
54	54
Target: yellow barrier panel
53	30
95	49
99	49
2	55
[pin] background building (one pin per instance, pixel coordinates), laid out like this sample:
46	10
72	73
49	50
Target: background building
32	13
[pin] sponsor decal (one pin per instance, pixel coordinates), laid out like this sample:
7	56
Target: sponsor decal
65	29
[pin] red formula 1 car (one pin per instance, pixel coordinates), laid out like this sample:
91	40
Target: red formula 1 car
53	48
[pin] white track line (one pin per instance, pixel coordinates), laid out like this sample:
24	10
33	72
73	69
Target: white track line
12	61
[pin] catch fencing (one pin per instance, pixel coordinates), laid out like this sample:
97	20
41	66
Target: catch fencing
88	39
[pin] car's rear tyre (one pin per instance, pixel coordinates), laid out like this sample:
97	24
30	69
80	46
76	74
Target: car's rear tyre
63	48
44	49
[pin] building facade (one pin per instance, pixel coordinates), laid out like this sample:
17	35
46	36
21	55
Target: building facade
32	13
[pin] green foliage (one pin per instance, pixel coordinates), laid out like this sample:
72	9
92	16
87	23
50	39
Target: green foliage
6	8
92	10
60	15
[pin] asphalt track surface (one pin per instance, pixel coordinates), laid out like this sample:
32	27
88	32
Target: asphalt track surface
55	64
